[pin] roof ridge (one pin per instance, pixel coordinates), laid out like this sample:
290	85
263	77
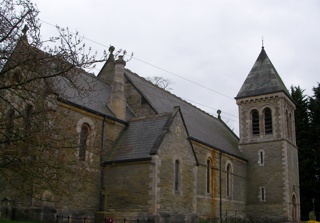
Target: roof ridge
166	91
135	119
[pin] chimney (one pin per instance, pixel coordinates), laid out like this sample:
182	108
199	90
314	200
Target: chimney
107	71
117	98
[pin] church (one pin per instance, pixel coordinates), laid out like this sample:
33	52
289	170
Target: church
153	156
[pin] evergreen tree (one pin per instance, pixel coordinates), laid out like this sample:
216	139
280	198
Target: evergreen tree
314	107
302	124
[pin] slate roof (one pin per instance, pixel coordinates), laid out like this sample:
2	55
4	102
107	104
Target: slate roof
262	79
140	138
201	126
85	90
141	134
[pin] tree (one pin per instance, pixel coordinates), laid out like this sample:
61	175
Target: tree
307	135
35	146
302	124
161	82
314	108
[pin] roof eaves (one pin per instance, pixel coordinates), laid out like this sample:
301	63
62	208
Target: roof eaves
127	161
216	148
254	95
91	110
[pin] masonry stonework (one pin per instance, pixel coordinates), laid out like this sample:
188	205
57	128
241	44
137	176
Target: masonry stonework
175	147
136	102
152	156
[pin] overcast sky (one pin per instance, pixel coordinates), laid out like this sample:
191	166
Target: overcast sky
206	48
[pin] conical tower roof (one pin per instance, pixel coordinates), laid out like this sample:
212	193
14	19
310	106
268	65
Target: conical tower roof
262	79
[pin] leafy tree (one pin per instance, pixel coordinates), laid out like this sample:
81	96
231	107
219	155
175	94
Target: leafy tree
35	146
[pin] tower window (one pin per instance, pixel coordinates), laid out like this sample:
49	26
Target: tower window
290	127
262	194
268	121
261	158
255	122
84	133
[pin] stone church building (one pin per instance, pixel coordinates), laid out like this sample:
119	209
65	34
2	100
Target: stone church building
166	160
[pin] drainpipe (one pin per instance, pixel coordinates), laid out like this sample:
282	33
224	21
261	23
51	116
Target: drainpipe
101	166
220	175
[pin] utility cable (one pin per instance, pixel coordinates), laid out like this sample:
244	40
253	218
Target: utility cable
152	65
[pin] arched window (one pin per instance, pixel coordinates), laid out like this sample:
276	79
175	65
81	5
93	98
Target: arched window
84	133
267	121
176	175
209	176
229	180
294	208
255	122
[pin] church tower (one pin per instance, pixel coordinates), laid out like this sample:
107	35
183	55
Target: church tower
267	139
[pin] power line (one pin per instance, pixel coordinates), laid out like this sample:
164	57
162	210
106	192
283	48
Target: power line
157	67
182	77
189	101
167	71
83	36
212	108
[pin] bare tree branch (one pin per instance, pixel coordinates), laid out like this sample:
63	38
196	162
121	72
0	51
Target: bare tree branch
37	149
161	82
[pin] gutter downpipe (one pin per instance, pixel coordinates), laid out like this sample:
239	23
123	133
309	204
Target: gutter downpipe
101	165
220	181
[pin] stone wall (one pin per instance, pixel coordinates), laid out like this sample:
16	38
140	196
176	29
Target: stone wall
136	102
81	197
293	191
148	188
208	204
277	102
270	176
172	203
127	187
278	175
176	146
